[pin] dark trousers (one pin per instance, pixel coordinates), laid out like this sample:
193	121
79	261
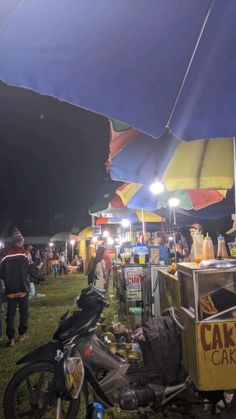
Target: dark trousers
63	269
1	314
12	304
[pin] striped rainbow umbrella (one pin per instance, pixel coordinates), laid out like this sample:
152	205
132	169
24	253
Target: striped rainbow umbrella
137	196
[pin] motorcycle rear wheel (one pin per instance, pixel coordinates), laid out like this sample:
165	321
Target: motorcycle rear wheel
30	394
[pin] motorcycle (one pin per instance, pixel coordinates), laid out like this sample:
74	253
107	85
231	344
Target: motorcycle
76	358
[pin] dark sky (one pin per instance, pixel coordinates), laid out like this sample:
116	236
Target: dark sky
51	159
51	162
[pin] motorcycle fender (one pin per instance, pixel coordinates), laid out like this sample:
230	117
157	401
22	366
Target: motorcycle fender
46	352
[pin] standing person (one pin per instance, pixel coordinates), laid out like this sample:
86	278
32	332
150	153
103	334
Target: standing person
89	263
97	274
182	248
108	262
55	263
62	260
16	267
2	294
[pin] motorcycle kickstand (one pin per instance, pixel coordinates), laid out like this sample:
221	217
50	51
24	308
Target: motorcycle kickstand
86	394
58	414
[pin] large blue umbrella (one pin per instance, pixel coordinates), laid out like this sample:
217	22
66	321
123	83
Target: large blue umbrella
150	64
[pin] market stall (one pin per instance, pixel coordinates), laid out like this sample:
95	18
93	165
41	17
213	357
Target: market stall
202	300
134	277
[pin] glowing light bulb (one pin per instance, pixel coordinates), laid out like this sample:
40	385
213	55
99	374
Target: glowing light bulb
156	187
125	223
173	202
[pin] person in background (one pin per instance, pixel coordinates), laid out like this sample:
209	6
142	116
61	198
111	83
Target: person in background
193	228
16	267
89	265
81	264
182	248
100	272
62	261
37	258
55	265
108	262
2	295
75	261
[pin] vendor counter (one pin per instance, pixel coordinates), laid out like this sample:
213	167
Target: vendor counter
146	285
165	290
132	282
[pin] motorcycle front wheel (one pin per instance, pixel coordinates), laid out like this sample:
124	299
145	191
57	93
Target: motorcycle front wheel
31	394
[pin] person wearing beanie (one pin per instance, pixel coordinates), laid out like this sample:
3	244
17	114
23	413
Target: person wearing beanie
16	267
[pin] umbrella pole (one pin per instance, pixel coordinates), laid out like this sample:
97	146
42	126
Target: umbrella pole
143	225
174	232
234	146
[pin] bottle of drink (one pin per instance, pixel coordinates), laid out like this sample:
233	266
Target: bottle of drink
208	249
95	411
222	251
198	246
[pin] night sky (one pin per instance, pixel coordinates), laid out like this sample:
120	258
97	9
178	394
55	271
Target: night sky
51	162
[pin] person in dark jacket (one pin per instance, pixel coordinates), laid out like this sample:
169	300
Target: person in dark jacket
17	266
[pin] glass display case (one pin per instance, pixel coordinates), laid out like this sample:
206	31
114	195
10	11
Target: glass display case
208	293
207	313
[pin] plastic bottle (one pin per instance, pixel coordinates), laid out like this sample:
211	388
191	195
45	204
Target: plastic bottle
198	246
208	249
222	251
95	411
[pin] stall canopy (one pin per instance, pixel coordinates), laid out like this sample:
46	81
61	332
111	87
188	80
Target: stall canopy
65	237
138	158
114	211
86	233
149	64
137	196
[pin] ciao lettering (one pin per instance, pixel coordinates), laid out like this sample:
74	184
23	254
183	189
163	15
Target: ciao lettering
220	341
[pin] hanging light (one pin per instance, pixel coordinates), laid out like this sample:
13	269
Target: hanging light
105	233
51	244
125	223
156	187
110	240
173	202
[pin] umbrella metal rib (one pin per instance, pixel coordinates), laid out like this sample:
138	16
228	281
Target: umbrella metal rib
190	62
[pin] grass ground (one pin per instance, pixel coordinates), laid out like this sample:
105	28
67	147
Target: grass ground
43	320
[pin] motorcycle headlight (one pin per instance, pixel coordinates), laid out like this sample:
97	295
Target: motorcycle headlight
74	374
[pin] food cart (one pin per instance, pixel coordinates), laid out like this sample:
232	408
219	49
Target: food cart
131	279
203	303
134	277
